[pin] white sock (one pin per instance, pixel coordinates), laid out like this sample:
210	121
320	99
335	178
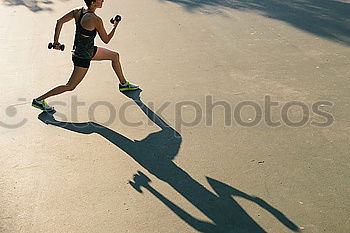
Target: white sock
126	83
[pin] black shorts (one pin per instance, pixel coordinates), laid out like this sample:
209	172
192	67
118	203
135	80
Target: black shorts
85	63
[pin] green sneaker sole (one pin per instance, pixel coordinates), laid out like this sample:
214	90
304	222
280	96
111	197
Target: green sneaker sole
38	107
128	89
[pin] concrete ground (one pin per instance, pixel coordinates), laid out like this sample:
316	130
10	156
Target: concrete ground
187	166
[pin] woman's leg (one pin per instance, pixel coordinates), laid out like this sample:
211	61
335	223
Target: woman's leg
76	77
106	54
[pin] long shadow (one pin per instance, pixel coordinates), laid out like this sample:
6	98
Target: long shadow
325	18
155	153
33	5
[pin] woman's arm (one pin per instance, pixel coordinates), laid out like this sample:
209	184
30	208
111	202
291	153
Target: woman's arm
102	31
67	17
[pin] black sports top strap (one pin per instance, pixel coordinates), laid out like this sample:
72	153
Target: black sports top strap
82	14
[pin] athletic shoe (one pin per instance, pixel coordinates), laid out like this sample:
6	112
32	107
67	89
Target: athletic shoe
128	86
42	105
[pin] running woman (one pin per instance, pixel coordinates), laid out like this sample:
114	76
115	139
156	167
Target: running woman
88	24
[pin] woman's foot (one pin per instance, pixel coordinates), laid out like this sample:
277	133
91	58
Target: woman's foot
42	105
128	86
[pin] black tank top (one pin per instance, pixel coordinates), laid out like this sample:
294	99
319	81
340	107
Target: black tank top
84	40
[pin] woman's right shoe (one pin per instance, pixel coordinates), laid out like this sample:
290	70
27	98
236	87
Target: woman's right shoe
128	86
42	105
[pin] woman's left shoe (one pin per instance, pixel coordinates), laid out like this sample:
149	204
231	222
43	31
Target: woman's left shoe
42	105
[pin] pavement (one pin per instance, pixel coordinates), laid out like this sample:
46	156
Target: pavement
242	124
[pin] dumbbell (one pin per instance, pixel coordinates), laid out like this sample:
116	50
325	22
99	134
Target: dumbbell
140	180
118	18
51	46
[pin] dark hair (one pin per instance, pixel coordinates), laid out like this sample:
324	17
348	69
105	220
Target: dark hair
88	2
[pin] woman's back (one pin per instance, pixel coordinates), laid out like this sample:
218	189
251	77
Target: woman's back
84	35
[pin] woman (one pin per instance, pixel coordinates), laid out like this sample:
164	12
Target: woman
87	26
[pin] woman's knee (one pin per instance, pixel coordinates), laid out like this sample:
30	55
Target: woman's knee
70	87
115	56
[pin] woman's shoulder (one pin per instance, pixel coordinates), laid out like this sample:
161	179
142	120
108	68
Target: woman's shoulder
78	9
77	12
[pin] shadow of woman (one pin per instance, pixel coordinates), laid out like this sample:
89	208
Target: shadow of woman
325	18
155	153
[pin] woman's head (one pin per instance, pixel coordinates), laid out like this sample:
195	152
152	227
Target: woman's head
88	2
95	3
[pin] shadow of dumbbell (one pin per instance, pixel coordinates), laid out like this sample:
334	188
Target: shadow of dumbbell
140	180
